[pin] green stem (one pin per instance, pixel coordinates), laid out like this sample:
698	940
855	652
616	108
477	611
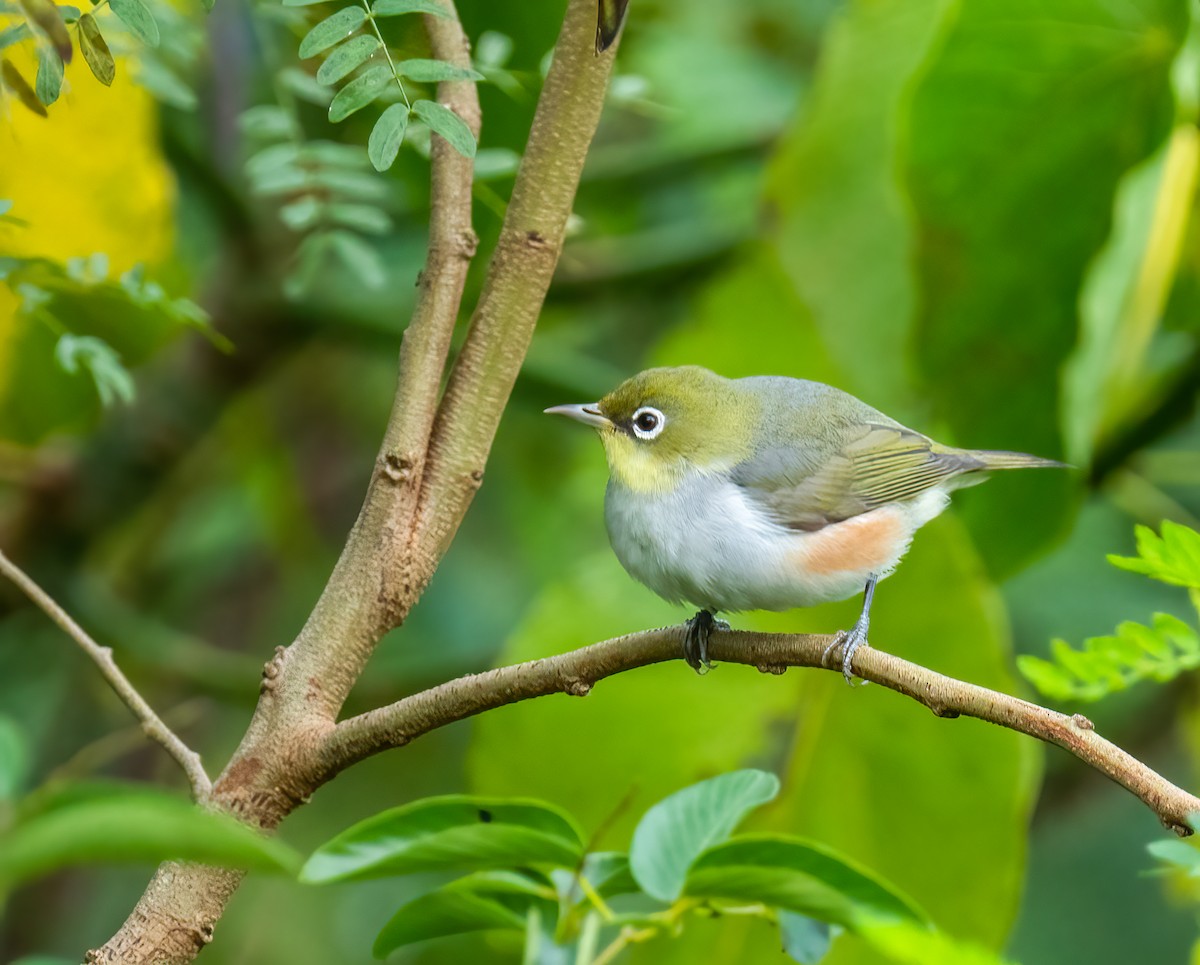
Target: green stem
386	53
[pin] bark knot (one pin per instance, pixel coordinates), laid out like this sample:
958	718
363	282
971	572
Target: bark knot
1082	722
396	468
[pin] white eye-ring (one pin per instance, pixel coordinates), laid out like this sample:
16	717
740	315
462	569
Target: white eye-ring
648	422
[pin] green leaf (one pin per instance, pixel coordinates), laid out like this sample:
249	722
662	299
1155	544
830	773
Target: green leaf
49	20
332	30
301	214
443	121
486	900
448	833
132	825
359	256
20	87
48	84
266	122
359	92
678	828
435	71
95	50
1179	854
1173	557
138	18
305	86
86	353
346	58
395	8
799	876
1107	67
805	939
910	944
360	217
14	758
386	136
165	84
14	34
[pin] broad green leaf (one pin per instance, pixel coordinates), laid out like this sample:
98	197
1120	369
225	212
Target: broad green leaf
909	944
679	828
133	825
1002	287
138	18
1123	297
681	733
805	939
49	20
19	86
448	833
14	758
48	83
443	121
799	876
359	92
434	71
333	29
834	185
395	8
348	57
386	136
483	901
95	50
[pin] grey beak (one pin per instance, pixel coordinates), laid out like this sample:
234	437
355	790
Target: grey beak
589	414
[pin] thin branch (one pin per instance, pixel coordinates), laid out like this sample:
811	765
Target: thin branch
577	671
381	573
527	252
152	724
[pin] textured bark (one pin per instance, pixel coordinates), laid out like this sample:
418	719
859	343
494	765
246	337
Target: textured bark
389	556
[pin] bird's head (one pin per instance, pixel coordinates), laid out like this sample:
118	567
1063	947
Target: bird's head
664	423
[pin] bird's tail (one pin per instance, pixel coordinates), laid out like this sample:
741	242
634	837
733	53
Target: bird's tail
1000	459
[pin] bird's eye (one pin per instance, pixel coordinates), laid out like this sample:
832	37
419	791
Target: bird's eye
648	422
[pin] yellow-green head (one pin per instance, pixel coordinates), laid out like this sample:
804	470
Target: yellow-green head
666	422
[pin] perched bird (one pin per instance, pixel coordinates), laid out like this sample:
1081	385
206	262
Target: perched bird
767	493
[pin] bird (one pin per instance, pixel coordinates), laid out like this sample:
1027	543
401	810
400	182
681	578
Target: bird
767	493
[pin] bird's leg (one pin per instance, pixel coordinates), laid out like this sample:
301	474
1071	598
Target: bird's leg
696	633
850	640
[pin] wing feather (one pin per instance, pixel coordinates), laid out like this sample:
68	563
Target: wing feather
869	466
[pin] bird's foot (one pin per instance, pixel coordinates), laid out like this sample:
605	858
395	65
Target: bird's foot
848	642
696	634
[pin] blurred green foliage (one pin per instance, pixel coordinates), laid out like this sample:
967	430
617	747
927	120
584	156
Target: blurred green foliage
976	216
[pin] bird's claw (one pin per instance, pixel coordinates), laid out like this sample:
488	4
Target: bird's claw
696	634
848	641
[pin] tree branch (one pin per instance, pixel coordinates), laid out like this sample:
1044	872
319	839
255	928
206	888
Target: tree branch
577	671
152	725
519	275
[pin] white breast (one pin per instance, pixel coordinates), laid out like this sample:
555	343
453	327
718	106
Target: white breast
708	545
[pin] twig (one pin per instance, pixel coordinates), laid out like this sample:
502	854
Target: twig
152	724
577	671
